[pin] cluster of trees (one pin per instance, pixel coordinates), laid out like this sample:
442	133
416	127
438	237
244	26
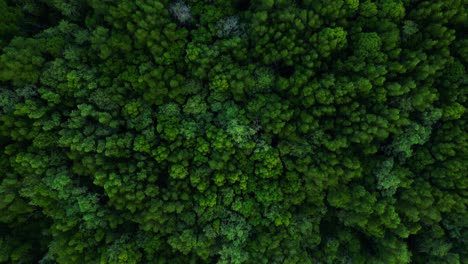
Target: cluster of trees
266	131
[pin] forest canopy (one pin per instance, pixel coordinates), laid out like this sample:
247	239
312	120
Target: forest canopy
233	131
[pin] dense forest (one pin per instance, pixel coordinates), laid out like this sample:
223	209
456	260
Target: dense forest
233	131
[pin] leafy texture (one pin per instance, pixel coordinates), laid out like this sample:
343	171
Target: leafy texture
266	131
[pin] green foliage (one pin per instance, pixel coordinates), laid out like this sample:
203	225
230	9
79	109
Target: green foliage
269	131
10	22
